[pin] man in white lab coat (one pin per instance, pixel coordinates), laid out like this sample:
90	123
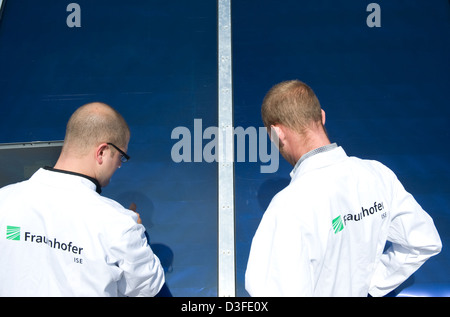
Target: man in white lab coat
325	233
59	237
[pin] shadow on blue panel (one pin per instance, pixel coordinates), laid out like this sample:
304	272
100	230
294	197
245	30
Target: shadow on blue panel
165	255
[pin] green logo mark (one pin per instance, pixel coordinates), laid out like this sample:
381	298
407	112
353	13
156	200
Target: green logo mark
338	225
13	233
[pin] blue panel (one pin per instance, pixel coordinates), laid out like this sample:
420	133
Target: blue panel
385	92
156	63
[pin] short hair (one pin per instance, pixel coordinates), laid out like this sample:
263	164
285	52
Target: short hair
93	124
293	104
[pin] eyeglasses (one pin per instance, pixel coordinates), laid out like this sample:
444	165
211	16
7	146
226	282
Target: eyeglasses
124	157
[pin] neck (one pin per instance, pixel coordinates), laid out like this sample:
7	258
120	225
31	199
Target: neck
76	165
307	142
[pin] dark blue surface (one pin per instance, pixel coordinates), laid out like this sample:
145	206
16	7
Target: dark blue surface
385	92
155	62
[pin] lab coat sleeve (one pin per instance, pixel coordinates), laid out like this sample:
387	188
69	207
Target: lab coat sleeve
414	239
278	263
142	274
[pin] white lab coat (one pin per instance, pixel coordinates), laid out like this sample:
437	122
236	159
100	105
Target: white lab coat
298	250
71	242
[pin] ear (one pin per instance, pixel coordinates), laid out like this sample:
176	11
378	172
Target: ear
323	117
100	153
277	134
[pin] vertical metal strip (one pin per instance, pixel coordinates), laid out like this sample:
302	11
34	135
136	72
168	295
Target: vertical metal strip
226	243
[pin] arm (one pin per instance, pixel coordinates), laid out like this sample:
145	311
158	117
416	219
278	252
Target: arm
278	264
414	240
143	274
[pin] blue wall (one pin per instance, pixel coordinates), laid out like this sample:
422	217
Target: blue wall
385	91
155	62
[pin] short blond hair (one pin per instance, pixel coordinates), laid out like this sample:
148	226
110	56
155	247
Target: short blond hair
293	104
93	124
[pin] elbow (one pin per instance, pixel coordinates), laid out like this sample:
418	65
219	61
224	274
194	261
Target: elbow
435	248
438	244
438	248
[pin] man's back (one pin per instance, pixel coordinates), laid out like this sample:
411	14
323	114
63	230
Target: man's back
325	233
64	239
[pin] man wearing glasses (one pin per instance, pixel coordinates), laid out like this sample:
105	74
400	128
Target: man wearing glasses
62	237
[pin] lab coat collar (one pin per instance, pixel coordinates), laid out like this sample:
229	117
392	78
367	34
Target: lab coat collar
317	158
91	182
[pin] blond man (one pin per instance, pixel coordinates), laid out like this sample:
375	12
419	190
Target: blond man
325	233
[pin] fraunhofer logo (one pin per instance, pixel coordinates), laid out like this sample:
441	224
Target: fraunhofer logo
338	224
13	233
